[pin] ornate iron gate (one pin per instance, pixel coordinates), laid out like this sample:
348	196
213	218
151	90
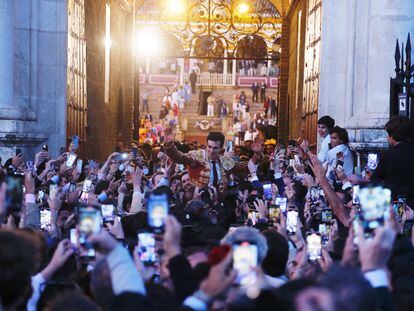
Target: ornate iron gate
312	70
76	87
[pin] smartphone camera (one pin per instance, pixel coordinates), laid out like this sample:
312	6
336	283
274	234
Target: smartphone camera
291	221
146	248
326	215
314	246
282	203
374	205
45	219
108	213
157	207
267	191
245	259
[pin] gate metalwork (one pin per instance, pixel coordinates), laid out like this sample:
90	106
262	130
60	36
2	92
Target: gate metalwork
76	76
212	29
401	87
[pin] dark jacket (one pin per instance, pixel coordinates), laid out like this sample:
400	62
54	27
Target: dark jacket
396	170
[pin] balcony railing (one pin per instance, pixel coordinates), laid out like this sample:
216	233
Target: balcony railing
213	79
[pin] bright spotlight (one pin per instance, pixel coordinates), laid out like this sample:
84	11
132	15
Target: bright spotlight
243	8
175	7
148	43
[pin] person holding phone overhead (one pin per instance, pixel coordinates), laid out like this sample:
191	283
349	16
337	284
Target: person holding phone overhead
396	167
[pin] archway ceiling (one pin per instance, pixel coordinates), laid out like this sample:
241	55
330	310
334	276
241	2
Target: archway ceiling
280	5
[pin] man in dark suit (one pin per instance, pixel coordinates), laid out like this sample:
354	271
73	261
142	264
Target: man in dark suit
396	166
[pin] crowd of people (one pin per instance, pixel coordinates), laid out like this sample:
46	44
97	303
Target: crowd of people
215	226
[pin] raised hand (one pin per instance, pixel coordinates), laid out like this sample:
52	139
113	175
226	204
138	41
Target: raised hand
172	237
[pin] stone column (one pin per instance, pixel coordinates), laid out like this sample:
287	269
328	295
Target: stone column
181	64
234	72
357	61
225	63
6	53
269	64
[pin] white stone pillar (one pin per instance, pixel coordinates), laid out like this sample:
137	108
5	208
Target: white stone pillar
269	65
234	72
225	63
6	52
147	66
181	64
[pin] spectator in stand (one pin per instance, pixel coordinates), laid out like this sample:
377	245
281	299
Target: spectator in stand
193	81
266	106
273	107
236	107
145	100
242	98
187	92
255	92
211	102
263	87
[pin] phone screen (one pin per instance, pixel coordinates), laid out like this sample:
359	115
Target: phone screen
108	213
297	159
87	185
89	222
71	159
355	195
157	207
274	213
324	229
374	204
40	196
314	246
53	191
282	203
291	221
45	219
14	193
79	165
244	260
267	191
398	207
146	248
253	216
326	215
372	162
75	141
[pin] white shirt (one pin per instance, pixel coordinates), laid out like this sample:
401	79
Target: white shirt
324	149
348	159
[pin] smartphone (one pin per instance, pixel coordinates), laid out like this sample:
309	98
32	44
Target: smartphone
45	147
355	228
408	227
282	203
30	166
72	186
315	194
157	211
398	207
274	213
372	161
79	164
355	197
253	216
297	160
229	146
245	259
123	157
340	164
267	191
326	215
324	229
40	196
374	204
53	191
108	213
70	160
62	150
291	221
89	222
293	143
146	248
75	141
181	167
87	185
45	219
314	246
18	151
